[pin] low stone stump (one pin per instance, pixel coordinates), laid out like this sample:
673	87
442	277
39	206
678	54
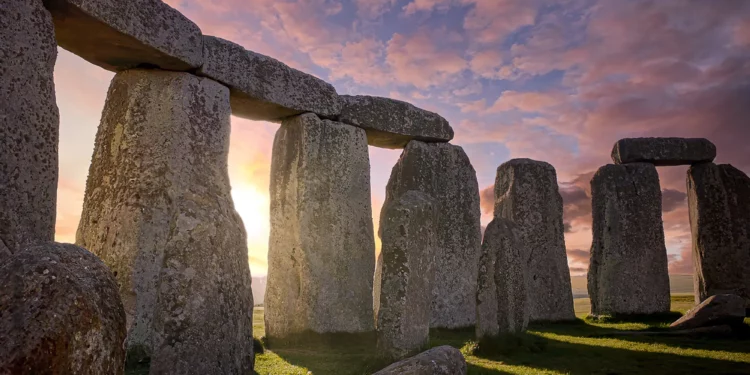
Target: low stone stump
718	310
527	194
321	254
158	211
502	305
60	313
444	172
29	125
719	203
404	275
392	123
663	151
443	360
628	269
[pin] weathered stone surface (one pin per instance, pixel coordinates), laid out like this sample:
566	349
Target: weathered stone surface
718	310
321	254
158	211
502	305
628	267
118	35
60	313
527	194
443	360
264	88
444	172
392	123
719	203
404	275
29	124
663	151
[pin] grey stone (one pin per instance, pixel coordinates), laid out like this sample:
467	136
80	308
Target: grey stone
404	275
663	151
442	360
719	204
29	125
321	255
60	313
444	172
628	268
118	35
502	298
527	194
158	211
263	88
717	310
392	123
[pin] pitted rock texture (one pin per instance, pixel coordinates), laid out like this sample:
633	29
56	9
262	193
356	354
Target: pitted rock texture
158	211
443	360
392	123
264	88
719	205
60	313
663	151
321	254
502	302
29	125
404	275
444	172
628	267
527	194
118	35
721	309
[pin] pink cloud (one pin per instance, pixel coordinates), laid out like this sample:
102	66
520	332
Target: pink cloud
490	21
418	60
372	9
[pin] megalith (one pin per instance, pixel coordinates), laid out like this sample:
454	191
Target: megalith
527	194
60	313
321	255
29	125
158	211
719	206
502	302
404	275
444	172
663	151
442	360
628	267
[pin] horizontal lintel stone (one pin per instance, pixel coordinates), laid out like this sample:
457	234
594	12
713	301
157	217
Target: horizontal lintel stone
263	88
664	151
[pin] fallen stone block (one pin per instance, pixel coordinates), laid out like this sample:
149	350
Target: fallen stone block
443	360
718	310
663	151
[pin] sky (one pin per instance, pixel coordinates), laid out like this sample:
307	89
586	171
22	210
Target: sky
558	81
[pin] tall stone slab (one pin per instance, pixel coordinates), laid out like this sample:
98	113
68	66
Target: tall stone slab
321	254
502	298
719	202
405	272
444	172
527	194
29	125
628	268
158	211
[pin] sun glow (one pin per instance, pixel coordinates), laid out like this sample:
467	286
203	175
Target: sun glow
253	206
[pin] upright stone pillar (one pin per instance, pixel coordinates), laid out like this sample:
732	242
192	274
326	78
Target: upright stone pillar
628	268
29	125
719	202
321	255
158	211
527	194
404	275
444	172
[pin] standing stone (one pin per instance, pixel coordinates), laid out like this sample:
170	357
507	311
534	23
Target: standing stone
158	211
404	275
60	313
444	172
321	254
527	194
502	305
719	203
663	151
628	269
29	125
